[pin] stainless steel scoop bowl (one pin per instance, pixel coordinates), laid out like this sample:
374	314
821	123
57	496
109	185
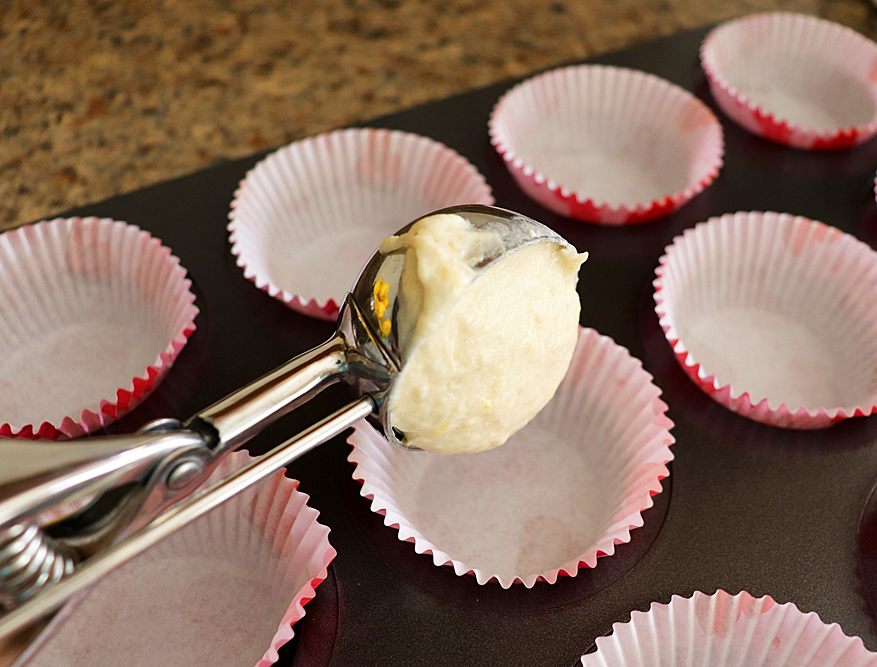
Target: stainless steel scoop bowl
514	232
72	512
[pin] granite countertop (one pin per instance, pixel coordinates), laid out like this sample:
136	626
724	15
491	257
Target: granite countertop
100	97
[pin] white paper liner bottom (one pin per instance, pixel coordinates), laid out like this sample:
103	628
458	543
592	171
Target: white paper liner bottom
773	315
794	79
723	630
94	312
223	591
562	491
607	144
308	217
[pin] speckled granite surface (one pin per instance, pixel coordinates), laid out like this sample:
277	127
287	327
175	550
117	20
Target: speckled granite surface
100	97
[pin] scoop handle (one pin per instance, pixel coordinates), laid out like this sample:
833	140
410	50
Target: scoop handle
239	416
354	354
19	627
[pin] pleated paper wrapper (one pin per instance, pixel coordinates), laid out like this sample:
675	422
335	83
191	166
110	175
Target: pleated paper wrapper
607	144
94	313
563	491
306	219
773	315
794	79
223	591
723	630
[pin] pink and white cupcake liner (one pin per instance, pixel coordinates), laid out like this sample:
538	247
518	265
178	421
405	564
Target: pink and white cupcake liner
723	630
306	218
223	591
774	316
794	79
560	493
607	144
93	313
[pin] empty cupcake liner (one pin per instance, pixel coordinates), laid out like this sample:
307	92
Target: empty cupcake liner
723	630
773	316
794	79
307	218
557	495
607	144
94	312
224	590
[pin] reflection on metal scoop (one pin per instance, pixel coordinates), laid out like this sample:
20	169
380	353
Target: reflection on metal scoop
70	513
513	232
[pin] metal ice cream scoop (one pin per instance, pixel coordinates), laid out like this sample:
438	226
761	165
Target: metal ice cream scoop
70	513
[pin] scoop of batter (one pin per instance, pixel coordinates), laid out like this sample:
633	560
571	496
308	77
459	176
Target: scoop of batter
483	350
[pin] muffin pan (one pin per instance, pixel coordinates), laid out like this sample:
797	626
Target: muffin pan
746	507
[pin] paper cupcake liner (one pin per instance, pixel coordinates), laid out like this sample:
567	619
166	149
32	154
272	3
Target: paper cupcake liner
774	317
94	312
307	218
224	590
607	144
794	79
560	493
723	630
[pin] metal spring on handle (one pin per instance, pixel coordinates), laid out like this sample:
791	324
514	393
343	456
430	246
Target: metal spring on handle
29	560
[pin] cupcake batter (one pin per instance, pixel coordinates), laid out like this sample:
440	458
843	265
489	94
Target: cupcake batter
481	357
